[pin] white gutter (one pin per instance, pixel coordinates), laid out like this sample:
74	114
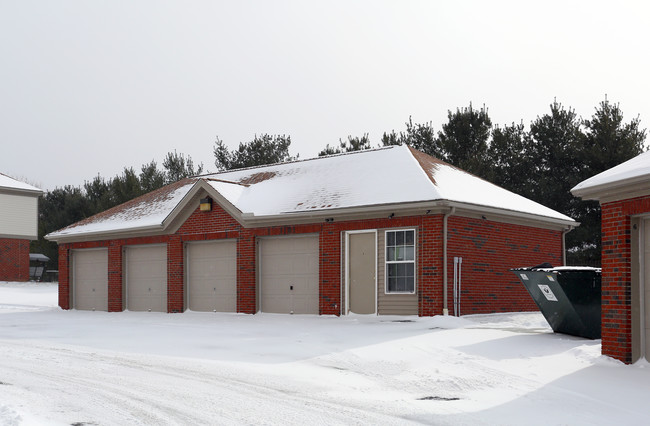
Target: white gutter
251	219
106	235
566	231
445	307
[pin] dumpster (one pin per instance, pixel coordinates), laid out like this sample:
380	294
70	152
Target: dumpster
567	296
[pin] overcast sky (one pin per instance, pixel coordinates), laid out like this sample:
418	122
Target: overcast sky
89	87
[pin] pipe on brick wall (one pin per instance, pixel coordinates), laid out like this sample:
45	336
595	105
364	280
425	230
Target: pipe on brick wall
566	231
445	307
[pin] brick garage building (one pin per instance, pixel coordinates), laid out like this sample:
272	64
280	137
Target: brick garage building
371	232
18	225
624	195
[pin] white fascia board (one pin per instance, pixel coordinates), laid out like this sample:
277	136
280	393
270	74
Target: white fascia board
19	237
22	191
104	235
436	207
614	190
533	218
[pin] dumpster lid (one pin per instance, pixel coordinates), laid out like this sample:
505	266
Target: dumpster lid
557	268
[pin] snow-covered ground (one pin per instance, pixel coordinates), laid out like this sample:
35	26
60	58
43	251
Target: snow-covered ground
96	368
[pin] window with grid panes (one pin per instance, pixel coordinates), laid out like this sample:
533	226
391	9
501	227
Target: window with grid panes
400	261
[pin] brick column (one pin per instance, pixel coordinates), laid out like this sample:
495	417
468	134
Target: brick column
115	285
64	276
430	266
616	300
175	288
330	270
246	289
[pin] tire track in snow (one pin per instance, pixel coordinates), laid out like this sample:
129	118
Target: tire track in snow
77	385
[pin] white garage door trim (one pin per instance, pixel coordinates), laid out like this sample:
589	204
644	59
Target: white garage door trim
91	265
213	264
302	293
136	299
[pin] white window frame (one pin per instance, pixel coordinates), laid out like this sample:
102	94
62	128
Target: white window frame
387	262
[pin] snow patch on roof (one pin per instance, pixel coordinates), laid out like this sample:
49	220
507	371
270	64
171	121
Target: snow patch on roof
11	183
636	167
382	176
150	210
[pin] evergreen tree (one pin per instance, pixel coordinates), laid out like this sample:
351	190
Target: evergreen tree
464	140
609	141
98	192
508	158
355	143
262	150
151	178
178	166
418	136
556	150
125	187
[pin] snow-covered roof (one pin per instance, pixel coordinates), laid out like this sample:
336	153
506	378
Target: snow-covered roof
12	184
386	177
391	175
147	212
632	172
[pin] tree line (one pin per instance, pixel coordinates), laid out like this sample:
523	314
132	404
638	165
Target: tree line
541	161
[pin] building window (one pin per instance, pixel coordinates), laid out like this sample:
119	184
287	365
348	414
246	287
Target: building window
400	261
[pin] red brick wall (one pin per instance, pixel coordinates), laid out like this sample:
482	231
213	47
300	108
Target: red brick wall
489	250
14	259
616	314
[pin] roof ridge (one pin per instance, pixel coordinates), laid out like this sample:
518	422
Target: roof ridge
224	181
362	151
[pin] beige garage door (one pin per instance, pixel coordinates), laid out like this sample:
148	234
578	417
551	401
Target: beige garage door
146	278
212	276
90	279
289	275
